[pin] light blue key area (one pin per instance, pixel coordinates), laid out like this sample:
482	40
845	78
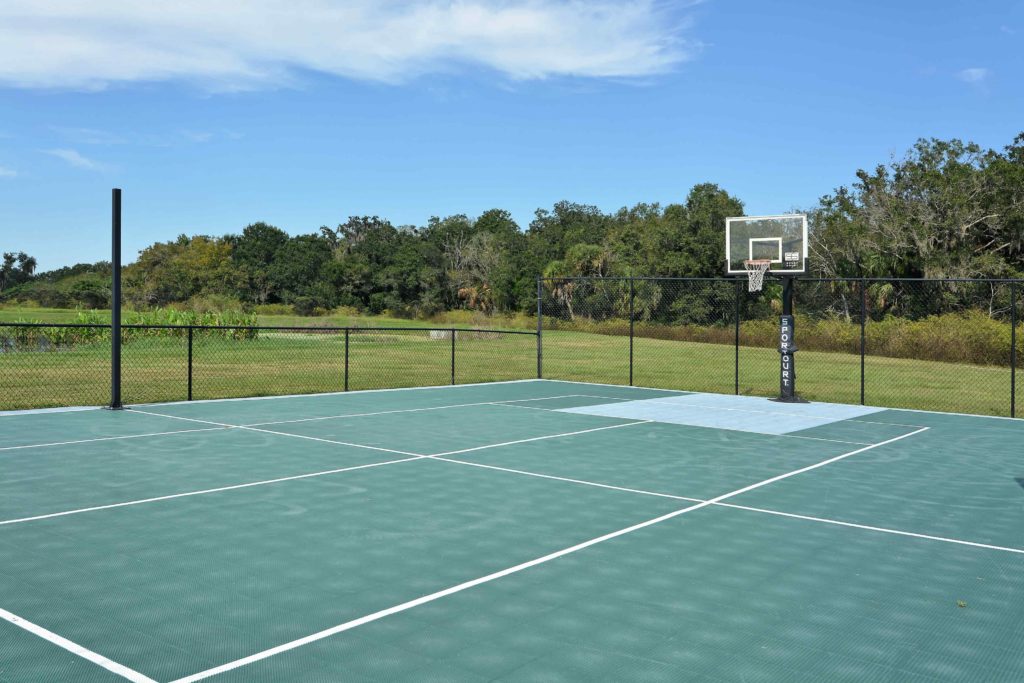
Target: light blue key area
740	413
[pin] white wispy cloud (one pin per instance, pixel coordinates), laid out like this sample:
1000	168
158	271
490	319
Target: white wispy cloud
974	75
73	158
197	135
236	44
90	136
7	172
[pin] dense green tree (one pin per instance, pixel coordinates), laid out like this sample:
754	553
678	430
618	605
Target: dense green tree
296	268
254	251
16	269
167	272
948	208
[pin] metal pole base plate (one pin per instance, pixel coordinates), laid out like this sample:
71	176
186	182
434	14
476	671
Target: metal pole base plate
787	399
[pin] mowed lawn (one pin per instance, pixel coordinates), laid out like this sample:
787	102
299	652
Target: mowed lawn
156	369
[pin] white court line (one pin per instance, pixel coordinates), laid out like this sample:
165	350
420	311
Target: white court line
44	411
760	412
75	648
867	527
724	429
540	438
348	625
259	424
823	520
728	429
413	456
410	410
511	403
354	392
269	431
219	489
584	482
111	438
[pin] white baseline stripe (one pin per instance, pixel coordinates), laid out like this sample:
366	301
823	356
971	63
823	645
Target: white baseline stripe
110	438
354	392
762	412
409	410
867	527
681	392
219	489
269	431
284	647
186	494
823	520
684	392
569	480
75	648
44	411
540	438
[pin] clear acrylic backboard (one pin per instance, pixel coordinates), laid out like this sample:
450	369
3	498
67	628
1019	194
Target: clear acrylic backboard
779	239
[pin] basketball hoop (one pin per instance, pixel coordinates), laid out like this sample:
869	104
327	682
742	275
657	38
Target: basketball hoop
756	268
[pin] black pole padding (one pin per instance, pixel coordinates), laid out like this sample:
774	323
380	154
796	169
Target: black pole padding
787	347
115	301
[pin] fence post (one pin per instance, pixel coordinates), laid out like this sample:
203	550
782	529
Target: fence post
540	329
190	328
863	324
736	342
1013	349
631	295
453	355
115	300
346	358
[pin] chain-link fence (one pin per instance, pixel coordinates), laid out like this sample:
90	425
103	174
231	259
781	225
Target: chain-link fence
47	365
946	345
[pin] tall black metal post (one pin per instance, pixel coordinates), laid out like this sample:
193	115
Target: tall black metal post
787	347
863	332
453	356
1013	350
190	329
631	295
540	329
736	341
346	357
115	301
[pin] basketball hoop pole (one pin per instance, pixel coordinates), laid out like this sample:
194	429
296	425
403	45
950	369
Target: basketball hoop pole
787	347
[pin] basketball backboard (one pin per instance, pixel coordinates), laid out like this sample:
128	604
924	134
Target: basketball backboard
779	239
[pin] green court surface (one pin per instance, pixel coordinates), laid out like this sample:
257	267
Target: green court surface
520	531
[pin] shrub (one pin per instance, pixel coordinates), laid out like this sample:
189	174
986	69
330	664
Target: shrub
274	309
967	337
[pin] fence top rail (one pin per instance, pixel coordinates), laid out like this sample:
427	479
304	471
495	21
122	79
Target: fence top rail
626	279
922	280
798	279
142	326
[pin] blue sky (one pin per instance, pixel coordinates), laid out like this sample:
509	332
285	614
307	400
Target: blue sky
301	113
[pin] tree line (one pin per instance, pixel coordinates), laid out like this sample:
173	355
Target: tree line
947	208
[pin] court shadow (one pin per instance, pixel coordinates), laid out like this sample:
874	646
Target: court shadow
1020	480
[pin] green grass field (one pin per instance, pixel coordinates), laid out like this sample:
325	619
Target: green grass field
9	313
155	369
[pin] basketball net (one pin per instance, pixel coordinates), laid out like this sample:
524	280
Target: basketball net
756	268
